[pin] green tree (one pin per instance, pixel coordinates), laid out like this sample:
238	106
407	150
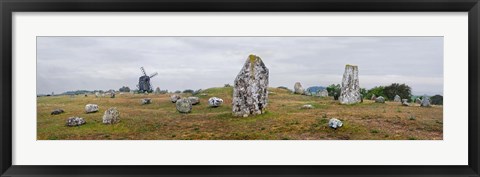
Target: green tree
377	91
437	99
402	90
334	90
124	89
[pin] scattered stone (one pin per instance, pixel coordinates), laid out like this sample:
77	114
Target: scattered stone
307	106
308	93
335	123
380	99
97	94
194	100
57	111
271	93
215	102
397	98
184	105
146	101
425	101
91	108
75	121
203	94
250	88
373	97
418	101
350	91
405	102
174	98
111	116
322	93
298	89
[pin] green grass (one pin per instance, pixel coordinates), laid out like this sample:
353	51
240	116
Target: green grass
283	119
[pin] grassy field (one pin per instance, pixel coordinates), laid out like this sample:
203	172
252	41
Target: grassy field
284	119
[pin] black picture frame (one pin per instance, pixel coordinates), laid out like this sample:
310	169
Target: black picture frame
10	6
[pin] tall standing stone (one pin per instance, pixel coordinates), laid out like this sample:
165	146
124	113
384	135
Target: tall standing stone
298	89
350	91
250	88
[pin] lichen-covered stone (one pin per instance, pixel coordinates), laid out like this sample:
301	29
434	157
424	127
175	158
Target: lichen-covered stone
174	98
56	111
322	93
307	106
380	99
194	100
250	95
335	123
397	98
111	116
418	101
350	91
146	101
298	89
91	108
425	101
184	105
215	102
75	121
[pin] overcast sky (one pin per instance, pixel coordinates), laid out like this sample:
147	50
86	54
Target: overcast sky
102	63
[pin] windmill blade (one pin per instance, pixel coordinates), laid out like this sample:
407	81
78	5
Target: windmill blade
143	71
154	74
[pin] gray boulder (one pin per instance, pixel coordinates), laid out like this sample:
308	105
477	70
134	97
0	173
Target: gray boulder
405	102
350	91
373	97
75	121
380	99
91	108
174	98
250	88
308	93
322	93
194	100
335	123
298	89
111	116
425	101
397	98
56	111
418	101
146	101
112	95
184	105
215	102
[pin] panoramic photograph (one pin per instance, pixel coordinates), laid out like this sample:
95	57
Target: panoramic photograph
239	88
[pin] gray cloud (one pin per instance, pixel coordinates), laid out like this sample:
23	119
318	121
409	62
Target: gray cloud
72	63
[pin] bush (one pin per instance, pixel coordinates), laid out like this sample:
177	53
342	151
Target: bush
188	91
402	90
178	91
437	99
124	89
377	91
334	90
227	85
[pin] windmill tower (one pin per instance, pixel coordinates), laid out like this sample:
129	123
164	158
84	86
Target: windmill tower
144	82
